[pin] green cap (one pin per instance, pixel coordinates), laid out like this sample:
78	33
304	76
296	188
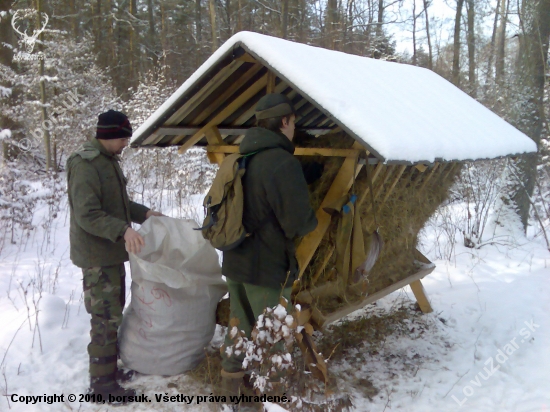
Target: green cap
274	105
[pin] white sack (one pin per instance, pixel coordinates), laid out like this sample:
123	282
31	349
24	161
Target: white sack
176	286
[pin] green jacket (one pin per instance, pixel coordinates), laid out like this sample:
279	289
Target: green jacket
276	198
99	206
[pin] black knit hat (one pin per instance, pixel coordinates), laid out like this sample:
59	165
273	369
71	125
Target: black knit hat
273	105
113	125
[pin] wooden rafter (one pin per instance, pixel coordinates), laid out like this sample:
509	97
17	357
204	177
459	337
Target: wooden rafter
226	112
270	88
222	98
196	99
429	177
392	186
246	116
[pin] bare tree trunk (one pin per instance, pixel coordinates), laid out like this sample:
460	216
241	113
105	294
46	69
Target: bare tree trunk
332	23
471	48
531	72
44	112
456	44
198	32
74	19
228	16
414	33
152	34
284	19
9	151
239	16
380	19
430	52
348	28
492	49
133	45
212	5
501	41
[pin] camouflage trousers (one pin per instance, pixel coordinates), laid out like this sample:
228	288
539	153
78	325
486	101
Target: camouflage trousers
104	298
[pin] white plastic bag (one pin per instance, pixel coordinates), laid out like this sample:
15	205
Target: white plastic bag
176	286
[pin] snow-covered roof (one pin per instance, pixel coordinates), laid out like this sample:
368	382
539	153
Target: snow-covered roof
399	112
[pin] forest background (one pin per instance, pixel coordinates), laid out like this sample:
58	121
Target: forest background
92	55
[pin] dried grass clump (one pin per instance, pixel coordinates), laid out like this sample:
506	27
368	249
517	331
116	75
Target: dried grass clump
208	371
400	217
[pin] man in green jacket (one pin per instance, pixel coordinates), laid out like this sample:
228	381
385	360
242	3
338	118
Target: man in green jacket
276	211
101	237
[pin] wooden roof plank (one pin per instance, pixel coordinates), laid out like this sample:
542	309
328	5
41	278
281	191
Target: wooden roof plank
227	111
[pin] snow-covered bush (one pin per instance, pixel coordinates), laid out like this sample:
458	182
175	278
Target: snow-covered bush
276	365
76	92
473	211
20	193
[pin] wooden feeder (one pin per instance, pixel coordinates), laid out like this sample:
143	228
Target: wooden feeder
215	108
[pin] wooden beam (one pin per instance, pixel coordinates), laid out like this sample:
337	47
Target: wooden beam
324	320
226	112
329	252
392	186
299	151
247	58
422	168
421	297
340	187
226	131
218	79
451	170
153	138
270	88
389	172
373	177
190	131
221	99
429	177
214	138
246	116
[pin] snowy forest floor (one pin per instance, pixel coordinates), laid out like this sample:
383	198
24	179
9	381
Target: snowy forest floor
484	348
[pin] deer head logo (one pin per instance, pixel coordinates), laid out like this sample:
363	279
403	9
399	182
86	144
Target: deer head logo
27	18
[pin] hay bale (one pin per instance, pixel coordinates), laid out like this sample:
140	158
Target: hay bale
400	218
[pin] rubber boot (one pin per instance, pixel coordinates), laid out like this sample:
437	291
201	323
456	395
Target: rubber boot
124	375
107	390
230	387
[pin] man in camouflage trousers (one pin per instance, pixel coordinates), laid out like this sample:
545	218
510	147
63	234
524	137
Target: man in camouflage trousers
101	237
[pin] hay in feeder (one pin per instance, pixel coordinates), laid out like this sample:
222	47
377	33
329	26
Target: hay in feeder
401	214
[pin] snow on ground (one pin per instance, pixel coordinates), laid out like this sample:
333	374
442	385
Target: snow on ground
484	348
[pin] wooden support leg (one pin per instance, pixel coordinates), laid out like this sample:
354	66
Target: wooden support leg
420	295
314	361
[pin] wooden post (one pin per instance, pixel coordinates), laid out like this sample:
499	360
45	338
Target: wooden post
340	186
214	138
420	295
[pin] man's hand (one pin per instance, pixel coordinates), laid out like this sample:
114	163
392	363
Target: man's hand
133	240
152	213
